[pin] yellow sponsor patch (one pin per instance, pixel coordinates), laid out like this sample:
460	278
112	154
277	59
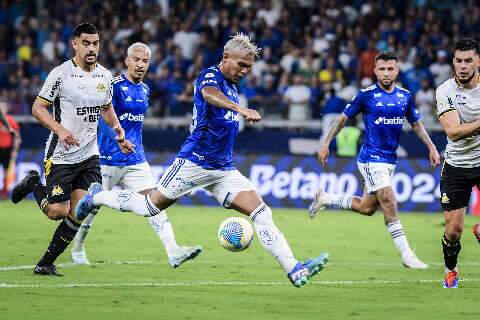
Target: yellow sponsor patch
57	190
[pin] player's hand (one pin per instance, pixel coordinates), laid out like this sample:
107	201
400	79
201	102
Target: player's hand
322	154
126	146
434	157
67	138
250	115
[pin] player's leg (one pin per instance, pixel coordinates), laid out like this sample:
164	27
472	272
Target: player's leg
381	175
5	155
235	191
111	175
366	205
455	188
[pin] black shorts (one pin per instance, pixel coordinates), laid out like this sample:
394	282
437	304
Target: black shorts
5	156
62	179
456	186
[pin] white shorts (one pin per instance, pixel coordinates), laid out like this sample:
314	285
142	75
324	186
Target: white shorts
376	175
184	176
137	177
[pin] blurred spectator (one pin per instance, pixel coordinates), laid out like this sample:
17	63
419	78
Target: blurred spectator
297	97
425	102
441	70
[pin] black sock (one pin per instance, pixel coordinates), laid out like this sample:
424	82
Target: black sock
451	249
40	194
62	237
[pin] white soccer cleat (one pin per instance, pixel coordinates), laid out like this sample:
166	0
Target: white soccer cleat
79	257
183	254
317	204
411	261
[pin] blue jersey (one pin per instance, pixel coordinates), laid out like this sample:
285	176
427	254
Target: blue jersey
130	102
383	115
213	129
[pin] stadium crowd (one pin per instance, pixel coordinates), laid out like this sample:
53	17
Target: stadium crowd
316	54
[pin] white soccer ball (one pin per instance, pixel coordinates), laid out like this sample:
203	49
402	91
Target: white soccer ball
235	234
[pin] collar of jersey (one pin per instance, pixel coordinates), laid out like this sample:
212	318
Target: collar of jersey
124	77
379	87
76	66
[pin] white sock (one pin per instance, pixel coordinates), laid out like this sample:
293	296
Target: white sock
338	201
161	225
127	200
79	240
271	238
399	238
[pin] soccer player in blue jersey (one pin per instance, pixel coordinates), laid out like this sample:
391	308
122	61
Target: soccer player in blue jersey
131	171
384	106
206	160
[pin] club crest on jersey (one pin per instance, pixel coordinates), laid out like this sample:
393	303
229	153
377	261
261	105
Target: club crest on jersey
57	190
445	199
101	87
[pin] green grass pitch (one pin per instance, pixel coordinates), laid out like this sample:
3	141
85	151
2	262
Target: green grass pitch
131	279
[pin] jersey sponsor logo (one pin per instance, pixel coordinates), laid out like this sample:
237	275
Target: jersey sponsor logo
76	75
132	117
209	75
400	95
55	87
208	81
233	116
395	121
91	113
377	95
379	104
101	87
57	190
124	88
198	156
391	104
98	75
128	99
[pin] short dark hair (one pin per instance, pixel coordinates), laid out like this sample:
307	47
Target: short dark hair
85	27
467	44
386	55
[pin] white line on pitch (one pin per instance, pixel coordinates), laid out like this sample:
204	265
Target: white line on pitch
145	262
218	283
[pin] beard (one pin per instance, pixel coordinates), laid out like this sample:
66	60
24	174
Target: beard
387	83
89	62
467	80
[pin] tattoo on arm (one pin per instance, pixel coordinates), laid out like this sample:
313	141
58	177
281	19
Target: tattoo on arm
337	125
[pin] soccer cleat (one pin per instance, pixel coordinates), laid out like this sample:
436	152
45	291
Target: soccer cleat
317	204
451	280
476	231
85	205
183	254
24	187
411	261
47	270
79	257
303	271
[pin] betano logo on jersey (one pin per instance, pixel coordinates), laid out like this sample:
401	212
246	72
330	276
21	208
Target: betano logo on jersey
132	117
396	120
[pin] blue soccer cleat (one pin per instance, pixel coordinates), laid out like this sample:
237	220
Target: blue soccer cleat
183	254
85	205
303	271
451	280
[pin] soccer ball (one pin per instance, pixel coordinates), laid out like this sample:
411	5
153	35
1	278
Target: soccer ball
235	234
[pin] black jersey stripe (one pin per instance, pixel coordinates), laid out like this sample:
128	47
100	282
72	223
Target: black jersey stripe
57	114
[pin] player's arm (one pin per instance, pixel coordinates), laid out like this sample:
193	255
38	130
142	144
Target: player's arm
455	130
40	112
108	114
420	131
335	128
3	120
215	97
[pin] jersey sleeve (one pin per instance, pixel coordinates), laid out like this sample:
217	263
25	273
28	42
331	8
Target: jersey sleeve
211	78
412	114
52	87
109	95
355	106
114	94
444	102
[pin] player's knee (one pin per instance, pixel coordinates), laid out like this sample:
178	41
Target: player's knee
159	200
368	210
453	230
55	214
